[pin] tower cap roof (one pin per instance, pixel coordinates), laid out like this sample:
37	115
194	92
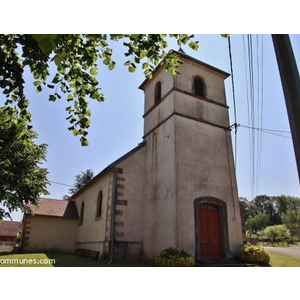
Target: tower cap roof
182	54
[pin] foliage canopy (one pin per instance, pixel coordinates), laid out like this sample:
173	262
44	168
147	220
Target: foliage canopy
22	180
258	223
76	58
275	207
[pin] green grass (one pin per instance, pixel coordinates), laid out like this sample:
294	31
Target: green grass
7	259
61	260
73	260
283	260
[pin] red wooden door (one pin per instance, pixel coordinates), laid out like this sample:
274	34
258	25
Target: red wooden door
209	232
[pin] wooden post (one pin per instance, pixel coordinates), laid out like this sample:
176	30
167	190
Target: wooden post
291	87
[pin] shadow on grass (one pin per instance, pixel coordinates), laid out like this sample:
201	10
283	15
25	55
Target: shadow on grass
63	260
74	260
2	253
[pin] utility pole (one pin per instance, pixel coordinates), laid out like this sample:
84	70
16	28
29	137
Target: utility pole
291	87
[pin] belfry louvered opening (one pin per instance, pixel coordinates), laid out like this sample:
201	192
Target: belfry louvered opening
157	92
199	87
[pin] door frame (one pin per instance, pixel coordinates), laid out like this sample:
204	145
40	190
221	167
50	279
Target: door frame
223	223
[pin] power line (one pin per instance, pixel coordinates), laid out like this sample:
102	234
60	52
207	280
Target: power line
60	183
251	109
232	81
270	131
253	59
234	102
264	129
258	120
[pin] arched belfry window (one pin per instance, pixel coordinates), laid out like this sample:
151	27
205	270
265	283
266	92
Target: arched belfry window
99	205
81	213
157	92
199	86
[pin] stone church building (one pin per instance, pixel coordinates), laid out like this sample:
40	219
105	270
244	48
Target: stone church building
176	189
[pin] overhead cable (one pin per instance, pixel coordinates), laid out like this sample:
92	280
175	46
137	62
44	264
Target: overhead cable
60	183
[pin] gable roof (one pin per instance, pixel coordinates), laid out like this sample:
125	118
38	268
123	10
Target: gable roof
10	228
182	54
108	169
55	208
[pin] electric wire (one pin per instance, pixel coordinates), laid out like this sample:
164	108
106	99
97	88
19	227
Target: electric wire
251	109
270	131
246	79
60	183
259	114
261	101
234	103
253	60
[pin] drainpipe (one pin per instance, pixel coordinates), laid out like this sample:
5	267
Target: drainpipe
113	206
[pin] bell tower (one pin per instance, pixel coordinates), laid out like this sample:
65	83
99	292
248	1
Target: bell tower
189	163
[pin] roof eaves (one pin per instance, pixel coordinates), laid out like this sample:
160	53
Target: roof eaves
119	160
54	208
89	183
109	168
186	56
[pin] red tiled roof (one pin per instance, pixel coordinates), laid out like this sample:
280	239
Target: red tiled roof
10	228
55	208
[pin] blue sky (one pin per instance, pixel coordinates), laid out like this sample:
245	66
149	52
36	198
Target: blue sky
117	124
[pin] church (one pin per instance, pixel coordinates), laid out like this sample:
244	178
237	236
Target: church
175	189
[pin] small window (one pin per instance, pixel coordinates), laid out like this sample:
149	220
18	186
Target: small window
206	206
199	88
157	92
99	205
81	213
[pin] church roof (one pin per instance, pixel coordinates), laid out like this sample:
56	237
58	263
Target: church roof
55	208
108	169
182	54
10	228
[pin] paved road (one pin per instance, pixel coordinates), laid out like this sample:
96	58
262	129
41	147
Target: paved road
285	250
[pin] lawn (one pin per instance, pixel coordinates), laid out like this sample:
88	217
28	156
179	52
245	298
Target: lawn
283	260
7	259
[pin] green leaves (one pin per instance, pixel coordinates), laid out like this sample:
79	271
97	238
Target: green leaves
111	66
93	71
84	141
70	97
131	68
38	89
52	98
46	42
194	45
76	58
36	83
151	47
59	58
20	163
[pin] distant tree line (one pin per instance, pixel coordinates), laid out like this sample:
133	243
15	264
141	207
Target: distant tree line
271	210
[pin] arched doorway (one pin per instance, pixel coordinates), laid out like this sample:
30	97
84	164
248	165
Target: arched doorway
211	228
209	231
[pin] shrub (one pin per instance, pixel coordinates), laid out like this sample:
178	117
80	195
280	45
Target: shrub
254	254
276	233
174	257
